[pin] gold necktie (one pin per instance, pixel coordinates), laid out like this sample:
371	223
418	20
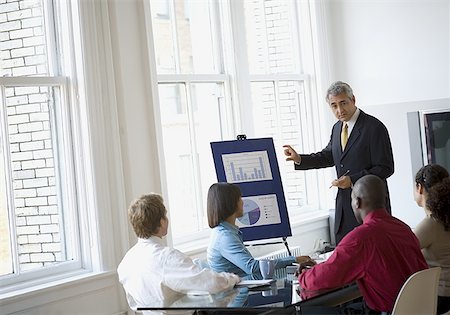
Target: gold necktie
344	136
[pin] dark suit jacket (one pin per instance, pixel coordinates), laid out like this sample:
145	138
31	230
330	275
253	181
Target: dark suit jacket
368	151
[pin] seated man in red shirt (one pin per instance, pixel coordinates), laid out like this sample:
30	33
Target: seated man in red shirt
379	255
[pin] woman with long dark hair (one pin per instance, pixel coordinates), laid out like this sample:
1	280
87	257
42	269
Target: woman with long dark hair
432	193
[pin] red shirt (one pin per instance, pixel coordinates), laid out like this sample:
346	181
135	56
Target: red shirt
379	255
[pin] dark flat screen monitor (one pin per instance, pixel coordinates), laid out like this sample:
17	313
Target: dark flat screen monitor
436	138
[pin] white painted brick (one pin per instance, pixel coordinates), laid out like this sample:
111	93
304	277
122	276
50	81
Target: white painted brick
50	228
18	119
50	163
39	238
48	143
30	248
42	154
18	184
42	257
5	72
11	63
46	125
16	100
30	266
9	92
55	220
14	147
29	4
8	7
37	11
21	221
58	256
11	44
48	210
23	175
2	16
23	33
36	59
20	137
4	54
28	230
32	22
22	239
37	32
51	247
24	71
42	69
36	201
38	98
52	200
36	40
18	15
24	258
31	146
39	116
44	106
16	166
34	183
4	36
21	156
33	164
38	219
41	135
45	172
21	90
29	127
10	111
22	52
46	191
56	237
19	203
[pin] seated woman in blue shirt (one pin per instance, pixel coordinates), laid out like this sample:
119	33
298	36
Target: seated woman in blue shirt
226	250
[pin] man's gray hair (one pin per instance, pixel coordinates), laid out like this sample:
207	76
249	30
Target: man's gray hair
339	87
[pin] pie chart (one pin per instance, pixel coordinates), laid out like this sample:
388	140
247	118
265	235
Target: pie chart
252	213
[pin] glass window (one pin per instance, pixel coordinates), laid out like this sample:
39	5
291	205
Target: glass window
38	208
216	80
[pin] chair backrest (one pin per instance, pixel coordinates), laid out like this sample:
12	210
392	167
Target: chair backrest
418	294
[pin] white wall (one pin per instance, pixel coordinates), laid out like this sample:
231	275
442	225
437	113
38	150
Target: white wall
396	56
391	51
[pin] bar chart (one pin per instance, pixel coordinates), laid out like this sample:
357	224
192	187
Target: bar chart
247	167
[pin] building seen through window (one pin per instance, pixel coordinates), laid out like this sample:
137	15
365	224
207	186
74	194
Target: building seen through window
223	68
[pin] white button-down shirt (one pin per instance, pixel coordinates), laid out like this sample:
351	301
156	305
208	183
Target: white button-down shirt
153	274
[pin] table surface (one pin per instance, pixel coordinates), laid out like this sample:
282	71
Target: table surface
282	293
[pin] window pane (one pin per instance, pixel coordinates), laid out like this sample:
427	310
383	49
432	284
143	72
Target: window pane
191	118
271	36
5	241
276	110
184	39
23	46
37	198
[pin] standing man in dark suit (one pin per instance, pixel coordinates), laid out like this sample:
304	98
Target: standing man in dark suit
359	145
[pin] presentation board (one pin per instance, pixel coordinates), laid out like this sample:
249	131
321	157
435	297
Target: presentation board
252	165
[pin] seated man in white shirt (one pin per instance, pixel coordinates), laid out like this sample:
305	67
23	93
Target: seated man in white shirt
153	274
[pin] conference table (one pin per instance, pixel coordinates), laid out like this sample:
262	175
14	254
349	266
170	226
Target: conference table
282	296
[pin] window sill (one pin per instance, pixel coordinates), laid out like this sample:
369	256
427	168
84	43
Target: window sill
33	296
198	247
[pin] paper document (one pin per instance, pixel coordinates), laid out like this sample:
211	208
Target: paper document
255	283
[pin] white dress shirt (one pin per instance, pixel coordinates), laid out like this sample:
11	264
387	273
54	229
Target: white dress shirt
153	274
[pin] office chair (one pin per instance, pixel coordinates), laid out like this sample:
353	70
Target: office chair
418	294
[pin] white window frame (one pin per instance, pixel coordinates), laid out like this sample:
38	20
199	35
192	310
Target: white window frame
97	160
239	93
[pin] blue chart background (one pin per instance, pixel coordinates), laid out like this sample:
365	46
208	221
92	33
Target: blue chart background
256	188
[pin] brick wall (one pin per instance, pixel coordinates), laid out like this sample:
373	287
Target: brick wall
275	53
23	53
